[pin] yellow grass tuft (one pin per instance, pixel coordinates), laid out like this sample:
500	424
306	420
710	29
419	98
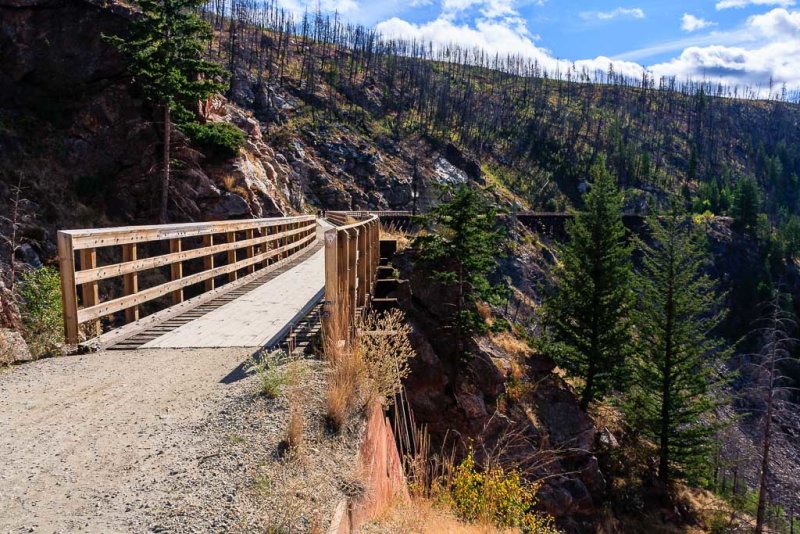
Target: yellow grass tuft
514	347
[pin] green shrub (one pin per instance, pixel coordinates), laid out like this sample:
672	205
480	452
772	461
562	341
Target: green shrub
272	375
217	139
40	292
495	496
500	325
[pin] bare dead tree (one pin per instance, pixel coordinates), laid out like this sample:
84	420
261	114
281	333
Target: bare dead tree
772	387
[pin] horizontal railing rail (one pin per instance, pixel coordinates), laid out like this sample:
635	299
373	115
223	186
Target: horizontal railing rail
352	253
249	245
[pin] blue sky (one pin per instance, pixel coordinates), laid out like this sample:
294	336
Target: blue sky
733	41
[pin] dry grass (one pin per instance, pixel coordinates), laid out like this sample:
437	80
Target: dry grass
393	231
516	348
383	342
607	416
296	425
346	368
716	514
365	364
423	516
295	428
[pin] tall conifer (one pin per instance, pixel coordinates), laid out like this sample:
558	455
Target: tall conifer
589	315
679	358
164	50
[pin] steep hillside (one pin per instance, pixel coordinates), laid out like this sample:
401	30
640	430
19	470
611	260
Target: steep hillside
337	119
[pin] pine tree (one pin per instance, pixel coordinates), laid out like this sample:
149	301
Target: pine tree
462	250
746	205
588	316
677	367
164	51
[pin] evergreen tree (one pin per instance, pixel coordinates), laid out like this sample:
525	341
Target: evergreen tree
462	250
677	365
588	316
164	50
746	205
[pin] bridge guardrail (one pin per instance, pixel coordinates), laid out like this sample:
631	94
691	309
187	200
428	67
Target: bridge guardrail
352	254
250	245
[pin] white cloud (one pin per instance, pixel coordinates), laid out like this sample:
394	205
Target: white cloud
498	37
771	50
488	8
738	4
298	7
766	45
690	23
620	12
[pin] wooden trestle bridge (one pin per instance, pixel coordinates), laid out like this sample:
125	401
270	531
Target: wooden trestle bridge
244	283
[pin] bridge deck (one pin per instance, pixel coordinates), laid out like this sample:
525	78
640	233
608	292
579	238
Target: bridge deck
260	317
257	314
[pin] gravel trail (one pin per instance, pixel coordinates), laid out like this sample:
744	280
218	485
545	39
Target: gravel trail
91	443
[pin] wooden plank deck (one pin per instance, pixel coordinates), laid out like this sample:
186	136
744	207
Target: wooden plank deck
255	315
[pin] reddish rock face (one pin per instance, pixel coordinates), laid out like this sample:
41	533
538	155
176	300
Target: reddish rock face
382	472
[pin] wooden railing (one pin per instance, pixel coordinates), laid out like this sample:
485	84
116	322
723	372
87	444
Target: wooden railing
248	246
352	253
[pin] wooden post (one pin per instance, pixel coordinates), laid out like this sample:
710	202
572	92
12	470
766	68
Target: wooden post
352	270
176	270
250	251
331	277
343	258
267	231
372	269
231	256
208	261
90	290
130	282
69	296
363	266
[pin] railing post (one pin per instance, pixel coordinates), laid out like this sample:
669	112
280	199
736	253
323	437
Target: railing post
352	270
374	227
342	259
332	303
208	261
90	291
269	245
363	266
250	251
231	238
69	296
130	282
176	270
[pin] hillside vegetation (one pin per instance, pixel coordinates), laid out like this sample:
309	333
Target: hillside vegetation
317	114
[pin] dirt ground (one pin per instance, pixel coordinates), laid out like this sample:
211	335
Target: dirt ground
158	441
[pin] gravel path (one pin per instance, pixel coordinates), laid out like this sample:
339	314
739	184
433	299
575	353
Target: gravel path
152	440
